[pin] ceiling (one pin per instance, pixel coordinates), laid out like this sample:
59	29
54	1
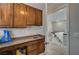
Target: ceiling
53	7
37	5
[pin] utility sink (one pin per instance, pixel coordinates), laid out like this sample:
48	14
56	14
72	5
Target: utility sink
37	36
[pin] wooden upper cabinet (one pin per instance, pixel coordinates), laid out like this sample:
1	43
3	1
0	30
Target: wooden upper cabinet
6	14
20	15
31	16
38	17
16	15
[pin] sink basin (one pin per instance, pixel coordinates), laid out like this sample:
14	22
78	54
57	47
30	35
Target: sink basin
36	36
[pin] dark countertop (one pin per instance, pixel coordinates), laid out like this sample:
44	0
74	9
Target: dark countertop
19	40
34	36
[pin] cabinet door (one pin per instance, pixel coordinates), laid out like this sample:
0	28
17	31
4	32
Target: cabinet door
6	14
38	17
31	16
10	52
33	52
20	15
32	48
41	46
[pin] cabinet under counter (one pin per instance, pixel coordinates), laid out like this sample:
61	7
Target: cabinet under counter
31	46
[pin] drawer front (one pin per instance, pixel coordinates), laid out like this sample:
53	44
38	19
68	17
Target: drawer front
7	48
32	47
20	45
32	42
33	52
7	53
41	40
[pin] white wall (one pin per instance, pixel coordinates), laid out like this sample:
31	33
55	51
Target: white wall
30	30
74	28
57	22
55	18
25	31
59	16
